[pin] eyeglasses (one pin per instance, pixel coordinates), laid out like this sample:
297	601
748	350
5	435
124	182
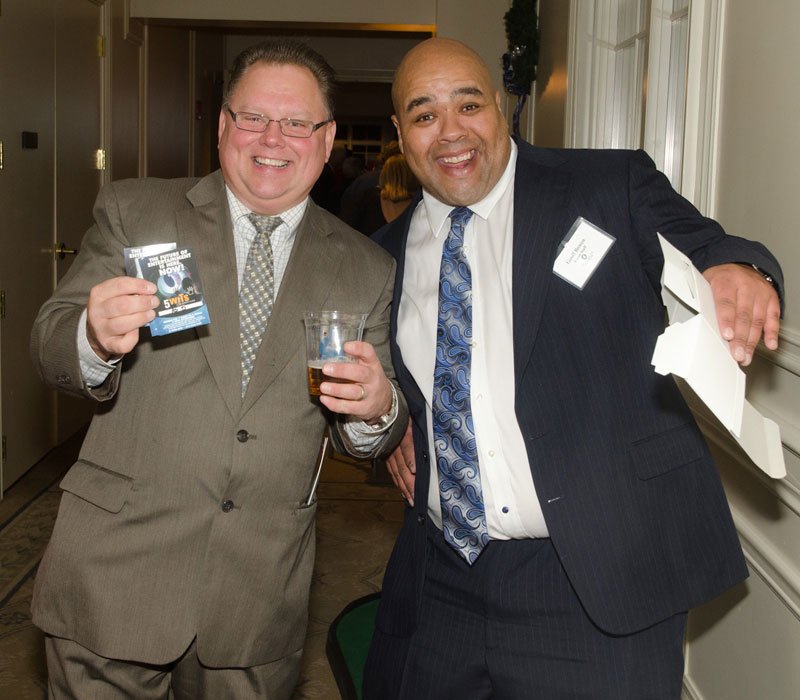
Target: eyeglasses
297	128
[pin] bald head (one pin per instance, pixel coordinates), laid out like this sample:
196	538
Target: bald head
448	120
430	53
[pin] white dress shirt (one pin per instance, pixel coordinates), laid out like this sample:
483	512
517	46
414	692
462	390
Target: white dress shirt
512	507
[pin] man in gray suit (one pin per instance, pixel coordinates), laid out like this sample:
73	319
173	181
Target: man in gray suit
181	560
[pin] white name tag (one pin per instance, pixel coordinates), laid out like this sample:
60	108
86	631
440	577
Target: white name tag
582	249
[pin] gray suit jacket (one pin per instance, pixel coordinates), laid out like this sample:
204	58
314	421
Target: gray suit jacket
144	557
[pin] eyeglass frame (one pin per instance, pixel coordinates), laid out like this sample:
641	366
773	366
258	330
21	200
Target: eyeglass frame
266	122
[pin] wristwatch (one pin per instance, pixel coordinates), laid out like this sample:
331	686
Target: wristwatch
768	277
384	421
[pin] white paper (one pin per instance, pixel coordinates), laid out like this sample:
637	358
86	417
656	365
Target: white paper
692	348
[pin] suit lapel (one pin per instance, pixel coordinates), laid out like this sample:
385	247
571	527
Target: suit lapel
312	269
540	222
393	239
207	230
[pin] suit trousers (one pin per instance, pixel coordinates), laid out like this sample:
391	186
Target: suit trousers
75	673
510	627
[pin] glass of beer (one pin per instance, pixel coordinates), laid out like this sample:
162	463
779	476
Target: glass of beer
326	334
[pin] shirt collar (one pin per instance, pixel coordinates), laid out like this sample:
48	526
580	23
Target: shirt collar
438	212
291	216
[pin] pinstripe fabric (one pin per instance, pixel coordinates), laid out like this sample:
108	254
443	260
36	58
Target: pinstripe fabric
627	486
514	629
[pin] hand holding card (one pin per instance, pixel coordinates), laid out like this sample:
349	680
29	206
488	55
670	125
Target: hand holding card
178	287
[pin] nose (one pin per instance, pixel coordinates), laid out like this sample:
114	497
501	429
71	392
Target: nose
451	127
272	135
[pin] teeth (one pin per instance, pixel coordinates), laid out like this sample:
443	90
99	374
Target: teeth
272	162
452	160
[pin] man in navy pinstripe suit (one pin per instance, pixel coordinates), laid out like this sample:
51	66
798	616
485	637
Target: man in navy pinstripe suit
604	515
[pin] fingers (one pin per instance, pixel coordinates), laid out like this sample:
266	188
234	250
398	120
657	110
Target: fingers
747	306
115	311
401	467
772	324
360	388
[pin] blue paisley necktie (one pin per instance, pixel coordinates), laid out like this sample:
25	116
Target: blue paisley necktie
463	513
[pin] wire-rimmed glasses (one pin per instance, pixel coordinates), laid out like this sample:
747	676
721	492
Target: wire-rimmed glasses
296	128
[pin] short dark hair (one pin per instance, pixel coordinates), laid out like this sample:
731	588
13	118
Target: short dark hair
285	52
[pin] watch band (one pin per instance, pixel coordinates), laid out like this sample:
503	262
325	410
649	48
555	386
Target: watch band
768	277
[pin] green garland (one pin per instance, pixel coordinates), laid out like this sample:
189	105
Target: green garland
523	43
519	64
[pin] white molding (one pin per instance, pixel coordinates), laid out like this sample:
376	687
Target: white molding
132	29
704	77
365	75
786	490
144	79
665	112
787	356
690	691
762	558
576	79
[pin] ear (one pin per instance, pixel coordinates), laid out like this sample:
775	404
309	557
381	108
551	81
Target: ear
330	135
399	134
223	122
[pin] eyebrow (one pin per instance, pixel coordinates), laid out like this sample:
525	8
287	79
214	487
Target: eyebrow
458	92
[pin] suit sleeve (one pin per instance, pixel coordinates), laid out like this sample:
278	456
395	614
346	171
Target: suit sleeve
54	348
376	332
656	207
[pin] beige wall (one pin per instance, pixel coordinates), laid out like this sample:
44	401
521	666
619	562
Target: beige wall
745	646
759	168
479	23
421	12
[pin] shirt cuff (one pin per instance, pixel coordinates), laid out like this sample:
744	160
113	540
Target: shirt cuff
93	369
363	437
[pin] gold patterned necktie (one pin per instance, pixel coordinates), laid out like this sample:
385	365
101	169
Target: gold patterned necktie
257	293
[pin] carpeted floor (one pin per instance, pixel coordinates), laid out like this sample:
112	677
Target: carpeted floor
358	517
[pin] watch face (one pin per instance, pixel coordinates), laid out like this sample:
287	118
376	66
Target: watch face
381	422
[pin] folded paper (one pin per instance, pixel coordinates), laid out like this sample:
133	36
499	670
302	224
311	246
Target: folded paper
692	348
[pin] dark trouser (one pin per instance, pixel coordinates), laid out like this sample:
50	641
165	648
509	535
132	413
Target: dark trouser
75	673
511	628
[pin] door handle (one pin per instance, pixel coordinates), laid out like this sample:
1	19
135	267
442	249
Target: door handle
62	251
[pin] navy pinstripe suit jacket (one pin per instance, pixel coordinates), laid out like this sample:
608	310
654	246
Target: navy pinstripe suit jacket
631	497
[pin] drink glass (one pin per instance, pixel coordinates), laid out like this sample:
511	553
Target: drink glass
326	334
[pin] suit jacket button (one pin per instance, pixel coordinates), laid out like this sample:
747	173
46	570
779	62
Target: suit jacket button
227	506
420	520
242	436
63	379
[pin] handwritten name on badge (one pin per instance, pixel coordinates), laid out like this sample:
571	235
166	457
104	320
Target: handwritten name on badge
581	251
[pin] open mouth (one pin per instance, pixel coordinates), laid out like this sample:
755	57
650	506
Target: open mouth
459	159
271	162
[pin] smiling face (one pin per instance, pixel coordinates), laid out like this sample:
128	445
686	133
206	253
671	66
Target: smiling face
270	172
449	123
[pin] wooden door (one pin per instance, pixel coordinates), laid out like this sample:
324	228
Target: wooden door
26	211
81	55
50	128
